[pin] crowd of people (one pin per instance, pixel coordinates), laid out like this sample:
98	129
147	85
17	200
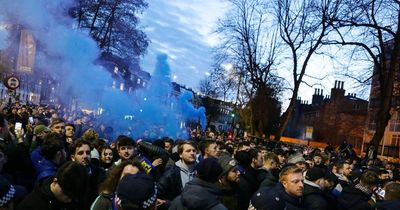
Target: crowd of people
52	158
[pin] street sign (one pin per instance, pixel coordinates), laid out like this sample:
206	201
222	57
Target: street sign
12	82
309	132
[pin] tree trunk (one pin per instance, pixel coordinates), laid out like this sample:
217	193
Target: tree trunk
286	116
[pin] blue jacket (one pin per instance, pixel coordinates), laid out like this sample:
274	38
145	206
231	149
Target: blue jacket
44	168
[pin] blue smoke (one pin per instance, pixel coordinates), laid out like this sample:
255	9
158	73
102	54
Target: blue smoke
68	55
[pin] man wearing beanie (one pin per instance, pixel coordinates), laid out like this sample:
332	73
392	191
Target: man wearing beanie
202	193
314	185
229	182
136	192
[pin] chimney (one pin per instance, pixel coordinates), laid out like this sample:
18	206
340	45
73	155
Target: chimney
322	92
355	95
341	87
335	83
315	92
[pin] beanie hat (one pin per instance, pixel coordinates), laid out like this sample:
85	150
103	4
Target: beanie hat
295	158
227	163
315	173
209	170
265	199
136	191
40	128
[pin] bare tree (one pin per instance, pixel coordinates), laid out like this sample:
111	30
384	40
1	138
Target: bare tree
302	27
372	27
207	87
251	46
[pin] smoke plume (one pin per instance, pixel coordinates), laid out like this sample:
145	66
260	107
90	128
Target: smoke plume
68	55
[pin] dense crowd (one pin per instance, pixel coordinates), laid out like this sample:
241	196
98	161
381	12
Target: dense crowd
53	158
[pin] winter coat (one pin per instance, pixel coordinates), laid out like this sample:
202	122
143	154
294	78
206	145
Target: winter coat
247	186
352	198
198	195
270	179
44	168
42	198
387	205
229	196
276	198
314	197
96	177
170	184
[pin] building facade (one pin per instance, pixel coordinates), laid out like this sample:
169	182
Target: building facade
331	119
390	144
37	86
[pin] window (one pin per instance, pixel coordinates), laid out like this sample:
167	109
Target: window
395	140
394	125
116	70
121	86
372	126
138	81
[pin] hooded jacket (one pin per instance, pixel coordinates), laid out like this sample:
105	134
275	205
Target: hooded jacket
198	195
172	182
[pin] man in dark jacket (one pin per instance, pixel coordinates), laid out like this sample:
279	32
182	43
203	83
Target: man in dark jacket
285	195
175	178
314	197
358	197
202	193
80	153
269	173
251	161
59	192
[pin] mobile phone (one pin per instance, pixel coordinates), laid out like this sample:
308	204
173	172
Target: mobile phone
18	126
31	120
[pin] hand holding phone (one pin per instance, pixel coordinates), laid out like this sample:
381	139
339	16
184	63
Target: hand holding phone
18	126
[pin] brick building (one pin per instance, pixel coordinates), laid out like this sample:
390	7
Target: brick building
390	144
332	118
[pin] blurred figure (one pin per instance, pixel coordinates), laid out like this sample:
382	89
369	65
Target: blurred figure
109	186
392	197
63	191
359	196
136	192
